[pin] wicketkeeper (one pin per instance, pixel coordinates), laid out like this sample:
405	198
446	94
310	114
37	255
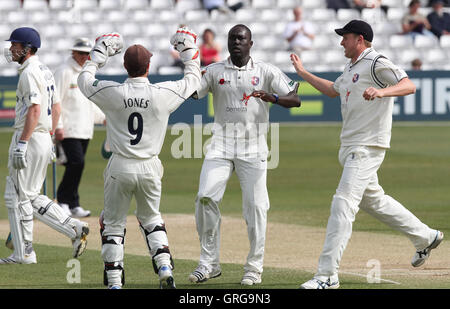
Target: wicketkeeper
137	114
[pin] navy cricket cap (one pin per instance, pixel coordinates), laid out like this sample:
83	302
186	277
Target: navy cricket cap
357	27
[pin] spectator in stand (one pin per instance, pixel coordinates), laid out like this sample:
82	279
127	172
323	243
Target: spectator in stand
414	23
221	5
439	20
209	49
338	4
369	4
299	33
416	64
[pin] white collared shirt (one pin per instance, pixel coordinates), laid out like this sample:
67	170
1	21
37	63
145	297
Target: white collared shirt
231	86
367	123
36	85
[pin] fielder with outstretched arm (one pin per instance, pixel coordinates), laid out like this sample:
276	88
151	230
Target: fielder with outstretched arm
367	88
137	114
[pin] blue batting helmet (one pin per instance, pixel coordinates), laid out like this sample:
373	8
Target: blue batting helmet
27	36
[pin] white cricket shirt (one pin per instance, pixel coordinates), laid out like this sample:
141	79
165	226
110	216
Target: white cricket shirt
367	123
231	86
36	85
78	114
137	112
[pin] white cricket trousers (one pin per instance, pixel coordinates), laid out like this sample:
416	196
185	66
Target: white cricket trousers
359	188
214	176
38	155
125	178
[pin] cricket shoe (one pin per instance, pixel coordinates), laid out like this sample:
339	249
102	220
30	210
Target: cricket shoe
28	259
166	280
321	283
202	273
79	212
421	256
80	242
114	287
251	278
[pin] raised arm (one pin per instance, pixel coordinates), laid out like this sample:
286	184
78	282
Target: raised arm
323	85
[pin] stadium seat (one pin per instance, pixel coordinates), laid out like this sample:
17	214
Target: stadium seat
59	4
196	16
400	41
386	28
261	55
153	30
245	15
373	16
143	15
388	53
259	28
129	29
115	16
16	16
93	16
39	16
435	55
85	4
110	4
281	56
79	30
169	16
8	5
35	5
333	56
322	14
324	41
345	15
310	57
445	41
392	3
187	5
136	4
263	4
423	41
158	4
273	15
395	14
405	56
312	4
288	4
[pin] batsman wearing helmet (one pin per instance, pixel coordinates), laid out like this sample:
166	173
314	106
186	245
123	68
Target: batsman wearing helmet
367	88
137	114
37	113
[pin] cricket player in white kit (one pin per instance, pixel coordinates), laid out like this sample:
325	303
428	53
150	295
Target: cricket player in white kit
31	150
367	88
137	114
241	88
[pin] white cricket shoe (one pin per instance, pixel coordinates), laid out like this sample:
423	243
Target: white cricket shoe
251	278
202	273
321	283
421	256
80	242
79	212
115	287
166	280
28	259
66	209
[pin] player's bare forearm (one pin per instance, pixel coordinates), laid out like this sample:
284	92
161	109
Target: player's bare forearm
402	88
56	113
288	101
323	85
31	121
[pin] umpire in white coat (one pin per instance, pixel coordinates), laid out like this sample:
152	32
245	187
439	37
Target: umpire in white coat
75	128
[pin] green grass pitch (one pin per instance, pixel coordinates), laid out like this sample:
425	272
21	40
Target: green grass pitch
416	172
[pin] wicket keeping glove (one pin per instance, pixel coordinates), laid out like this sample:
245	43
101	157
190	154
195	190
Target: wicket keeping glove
19	160
184	41
105	46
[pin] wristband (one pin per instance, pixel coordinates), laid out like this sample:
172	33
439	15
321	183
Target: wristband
276	98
